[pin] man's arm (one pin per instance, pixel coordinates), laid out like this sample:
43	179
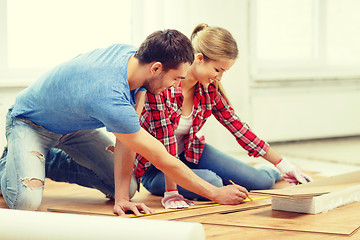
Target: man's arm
152	149
140	101
123	167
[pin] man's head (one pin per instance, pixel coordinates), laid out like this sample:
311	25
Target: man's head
169	54
169	47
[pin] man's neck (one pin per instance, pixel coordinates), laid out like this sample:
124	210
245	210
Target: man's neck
135	73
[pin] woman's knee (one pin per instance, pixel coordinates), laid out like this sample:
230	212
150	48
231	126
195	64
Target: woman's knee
267	177
262	182
265	184
210	176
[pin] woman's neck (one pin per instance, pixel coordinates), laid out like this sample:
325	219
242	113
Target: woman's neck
189	82
188	92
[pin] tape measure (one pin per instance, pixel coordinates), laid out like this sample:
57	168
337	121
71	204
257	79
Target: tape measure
193	207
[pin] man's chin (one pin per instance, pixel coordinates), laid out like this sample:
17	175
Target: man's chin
155	92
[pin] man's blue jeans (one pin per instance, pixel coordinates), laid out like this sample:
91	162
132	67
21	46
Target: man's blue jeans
216	168
34	152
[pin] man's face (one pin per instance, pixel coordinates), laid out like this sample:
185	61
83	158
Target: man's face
157	84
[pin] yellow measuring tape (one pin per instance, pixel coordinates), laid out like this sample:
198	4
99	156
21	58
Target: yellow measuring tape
194	207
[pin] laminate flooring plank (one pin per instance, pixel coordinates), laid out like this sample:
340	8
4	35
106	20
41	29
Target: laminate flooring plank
344	220
317	187
218	232
201	210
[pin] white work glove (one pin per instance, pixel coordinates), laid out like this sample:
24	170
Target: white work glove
291	173
173	200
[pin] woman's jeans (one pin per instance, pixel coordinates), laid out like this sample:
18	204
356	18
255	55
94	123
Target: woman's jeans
216	168
34	153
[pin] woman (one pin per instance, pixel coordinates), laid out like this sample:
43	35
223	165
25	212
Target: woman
177	114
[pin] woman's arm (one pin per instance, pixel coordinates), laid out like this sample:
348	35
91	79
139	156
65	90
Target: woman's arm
226	115
254	145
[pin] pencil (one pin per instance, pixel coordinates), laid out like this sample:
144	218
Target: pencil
234	184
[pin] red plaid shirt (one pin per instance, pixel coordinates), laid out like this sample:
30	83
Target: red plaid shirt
162	113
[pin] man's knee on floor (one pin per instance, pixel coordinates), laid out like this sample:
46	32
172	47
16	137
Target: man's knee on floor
33	183
31	195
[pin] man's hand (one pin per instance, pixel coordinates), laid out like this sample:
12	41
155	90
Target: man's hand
122	206
231	194
291	173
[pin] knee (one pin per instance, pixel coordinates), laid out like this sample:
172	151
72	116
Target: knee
265	180
211	177
265	184
30	195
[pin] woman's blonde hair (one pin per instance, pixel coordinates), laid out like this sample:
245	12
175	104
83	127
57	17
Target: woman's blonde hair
214	43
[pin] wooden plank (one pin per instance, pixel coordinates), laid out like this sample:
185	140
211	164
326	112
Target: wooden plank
160	214
316	188
182	214
317	204
78	200
309	191
219	232
99	207
341	221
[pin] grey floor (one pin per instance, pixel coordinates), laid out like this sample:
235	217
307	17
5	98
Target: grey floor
328	157
324	157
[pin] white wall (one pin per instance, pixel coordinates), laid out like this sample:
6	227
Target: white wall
306	112
7	97
280	111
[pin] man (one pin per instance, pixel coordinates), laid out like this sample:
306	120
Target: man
65	108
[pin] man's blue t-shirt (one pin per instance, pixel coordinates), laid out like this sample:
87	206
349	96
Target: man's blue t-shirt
89	91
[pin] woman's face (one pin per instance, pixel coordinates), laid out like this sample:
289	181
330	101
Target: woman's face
210	70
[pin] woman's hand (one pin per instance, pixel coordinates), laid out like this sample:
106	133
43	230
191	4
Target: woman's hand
291	173
174	200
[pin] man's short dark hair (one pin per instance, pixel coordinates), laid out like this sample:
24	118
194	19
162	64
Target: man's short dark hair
170	47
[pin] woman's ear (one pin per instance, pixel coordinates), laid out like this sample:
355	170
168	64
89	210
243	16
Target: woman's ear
199	57
156	68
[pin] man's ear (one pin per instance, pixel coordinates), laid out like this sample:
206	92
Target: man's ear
156	68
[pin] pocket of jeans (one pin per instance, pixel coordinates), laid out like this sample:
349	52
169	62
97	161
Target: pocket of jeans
28	122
